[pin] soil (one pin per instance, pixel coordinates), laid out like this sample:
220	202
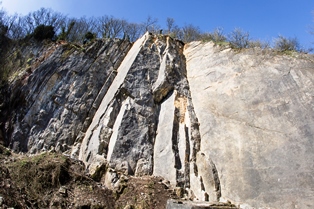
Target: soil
145	192
52	180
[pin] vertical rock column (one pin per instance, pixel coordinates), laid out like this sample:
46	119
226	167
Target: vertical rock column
146	122
177	154
106	114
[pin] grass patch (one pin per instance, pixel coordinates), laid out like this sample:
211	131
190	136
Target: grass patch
4	151
40	174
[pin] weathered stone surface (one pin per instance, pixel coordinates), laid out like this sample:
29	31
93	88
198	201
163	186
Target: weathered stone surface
163	153
1	201
222	125
256	121
53	104
147	120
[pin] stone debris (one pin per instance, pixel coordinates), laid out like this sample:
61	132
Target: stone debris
178	204
1	201
63	191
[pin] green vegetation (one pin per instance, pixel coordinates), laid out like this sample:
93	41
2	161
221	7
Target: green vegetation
41	174
64	34
4	71
49	180
89	36
4	151
43	32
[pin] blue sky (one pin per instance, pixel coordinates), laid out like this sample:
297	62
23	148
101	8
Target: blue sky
263	19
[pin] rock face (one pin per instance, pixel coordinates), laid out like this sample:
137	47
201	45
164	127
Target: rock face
146	124
223	125
54	104
257	123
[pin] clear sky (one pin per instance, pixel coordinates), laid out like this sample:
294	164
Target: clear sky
263	19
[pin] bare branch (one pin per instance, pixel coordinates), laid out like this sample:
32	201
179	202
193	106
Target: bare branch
150	24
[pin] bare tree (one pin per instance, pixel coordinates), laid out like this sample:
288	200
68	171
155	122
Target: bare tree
190	33
239	39
287	44
217	36
150	24
11	26
172	29
110	27
132	31
15	27
43	16
66	29
170	24
3	22
116	27
78	30
74	30
29	25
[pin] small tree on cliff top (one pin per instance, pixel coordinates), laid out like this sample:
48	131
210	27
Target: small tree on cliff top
287	44
239	39
42	32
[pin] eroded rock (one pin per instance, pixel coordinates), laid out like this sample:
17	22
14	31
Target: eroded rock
218	124
255	110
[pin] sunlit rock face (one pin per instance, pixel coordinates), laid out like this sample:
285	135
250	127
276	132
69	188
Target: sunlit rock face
55	102
146	124
256	120
223	124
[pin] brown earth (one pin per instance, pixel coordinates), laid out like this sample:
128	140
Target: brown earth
51	180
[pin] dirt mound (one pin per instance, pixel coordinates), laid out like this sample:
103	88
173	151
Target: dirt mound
144	192
51	180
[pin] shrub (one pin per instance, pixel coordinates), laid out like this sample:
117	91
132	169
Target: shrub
259	44
284	44
4	71
190	33
3	29
239	39
64	35
216	36
89	36
42	32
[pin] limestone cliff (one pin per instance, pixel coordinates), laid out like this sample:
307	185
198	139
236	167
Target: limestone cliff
256	122
222	124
